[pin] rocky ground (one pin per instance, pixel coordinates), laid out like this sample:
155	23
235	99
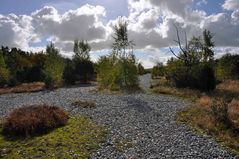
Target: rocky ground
141	125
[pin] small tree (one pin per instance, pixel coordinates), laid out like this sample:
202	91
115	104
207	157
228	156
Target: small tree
81	50
84	68
208	45
54	66
193	63
123	70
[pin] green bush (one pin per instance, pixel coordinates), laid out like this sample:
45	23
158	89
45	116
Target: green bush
49	82
199	76
54	65
69	73
227	67
84	70
121	74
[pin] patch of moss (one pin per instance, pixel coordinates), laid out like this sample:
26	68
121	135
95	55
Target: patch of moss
78	139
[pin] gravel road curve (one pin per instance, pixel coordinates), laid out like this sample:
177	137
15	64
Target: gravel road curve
140	125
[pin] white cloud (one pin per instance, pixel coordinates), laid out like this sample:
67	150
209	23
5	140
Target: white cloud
231	5
151	26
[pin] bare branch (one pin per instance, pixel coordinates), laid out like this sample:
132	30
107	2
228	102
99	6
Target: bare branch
174	53
186	40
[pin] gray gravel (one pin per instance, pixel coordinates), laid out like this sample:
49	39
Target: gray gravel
140	125
145	81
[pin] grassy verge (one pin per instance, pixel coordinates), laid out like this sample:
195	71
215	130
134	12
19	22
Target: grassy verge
78	139
214	113
203	121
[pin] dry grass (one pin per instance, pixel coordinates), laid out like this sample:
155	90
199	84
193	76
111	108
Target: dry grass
84	104
229	86
31	120
185	93
217	114
233	112
204	102
202	117
25	87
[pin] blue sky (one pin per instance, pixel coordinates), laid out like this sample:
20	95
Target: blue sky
30	24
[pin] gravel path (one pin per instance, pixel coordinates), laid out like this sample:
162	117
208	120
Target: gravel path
145	81
140	125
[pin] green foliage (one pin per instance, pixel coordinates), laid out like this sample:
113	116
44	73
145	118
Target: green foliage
141	70
121	74
81	50
69	75
208	45
23	66
193	67
4	72
54	66
200	76
83	67
119	70
157	70
227	67
104	71
84	70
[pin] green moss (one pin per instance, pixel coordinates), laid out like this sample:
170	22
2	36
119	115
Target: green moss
78	139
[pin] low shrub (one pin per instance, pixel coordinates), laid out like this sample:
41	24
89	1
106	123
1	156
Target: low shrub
69	75
30	120
84	70
117	74
199	76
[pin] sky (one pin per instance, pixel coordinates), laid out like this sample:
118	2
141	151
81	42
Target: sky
31	25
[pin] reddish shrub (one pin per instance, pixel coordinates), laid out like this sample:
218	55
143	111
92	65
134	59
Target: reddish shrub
34	119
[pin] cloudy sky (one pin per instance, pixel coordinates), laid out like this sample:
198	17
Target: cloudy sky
30	24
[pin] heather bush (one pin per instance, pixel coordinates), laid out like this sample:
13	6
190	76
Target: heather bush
35	119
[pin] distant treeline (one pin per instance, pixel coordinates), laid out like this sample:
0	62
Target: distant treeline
117	71
17	66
